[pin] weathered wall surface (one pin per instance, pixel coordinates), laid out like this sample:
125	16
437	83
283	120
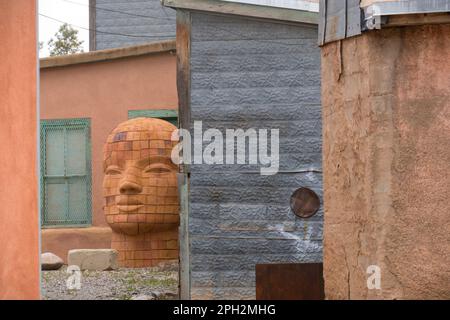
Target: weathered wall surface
19	235
252	74
386	129
142	20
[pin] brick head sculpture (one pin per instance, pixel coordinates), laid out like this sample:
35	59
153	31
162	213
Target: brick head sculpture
140	190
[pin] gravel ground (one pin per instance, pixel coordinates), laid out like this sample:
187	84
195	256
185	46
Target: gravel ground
121	284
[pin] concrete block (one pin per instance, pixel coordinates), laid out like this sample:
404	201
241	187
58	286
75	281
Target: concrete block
93	259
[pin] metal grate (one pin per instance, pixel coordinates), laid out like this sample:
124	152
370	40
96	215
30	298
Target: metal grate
65	173
168	115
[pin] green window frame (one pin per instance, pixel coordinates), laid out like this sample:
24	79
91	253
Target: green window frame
165	114
66	173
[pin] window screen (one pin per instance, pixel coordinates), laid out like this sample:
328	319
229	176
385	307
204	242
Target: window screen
65	172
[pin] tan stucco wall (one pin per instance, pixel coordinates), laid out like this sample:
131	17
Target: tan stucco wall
386	129
60	241
104	92
19	227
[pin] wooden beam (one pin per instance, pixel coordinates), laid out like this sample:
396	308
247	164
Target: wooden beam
417	19
108	54
184	118
92	25
244	9
183	237
183	45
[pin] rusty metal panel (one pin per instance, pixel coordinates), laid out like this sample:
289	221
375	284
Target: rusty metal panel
339	20
305	203
290	281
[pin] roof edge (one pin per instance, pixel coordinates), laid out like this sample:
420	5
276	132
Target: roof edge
108	54
410	10
246	9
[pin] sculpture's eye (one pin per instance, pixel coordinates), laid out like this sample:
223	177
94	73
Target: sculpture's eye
113	170
157	168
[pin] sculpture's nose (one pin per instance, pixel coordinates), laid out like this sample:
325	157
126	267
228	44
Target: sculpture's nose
130	185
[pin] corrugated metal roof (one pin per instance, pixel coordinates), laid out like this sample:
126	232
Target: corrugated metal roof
340	19
378	9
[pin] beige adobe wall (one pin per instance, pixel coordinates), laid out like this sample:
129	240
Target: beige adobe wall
104	92
60	240
19	233
386	153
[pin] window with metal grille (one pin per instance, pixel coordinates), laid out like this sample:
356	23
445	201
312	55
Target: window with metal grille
168	115
65	172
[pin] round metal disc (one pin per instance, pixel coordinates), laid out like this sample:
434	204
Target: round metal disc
305	203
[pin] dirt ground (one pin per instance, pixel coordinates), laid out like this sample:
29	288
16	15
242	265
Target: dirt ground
121	284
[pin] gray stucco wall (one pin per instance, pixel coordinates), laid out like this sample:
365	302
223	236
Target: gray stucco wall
145	20
249	73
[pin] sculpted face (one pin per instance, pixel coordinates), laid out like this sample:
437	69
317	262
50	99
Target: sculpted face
140	183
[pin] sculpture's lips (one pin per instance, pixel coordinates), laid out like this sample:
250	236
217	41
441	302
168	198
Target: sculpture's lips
129	208
126	204
125	201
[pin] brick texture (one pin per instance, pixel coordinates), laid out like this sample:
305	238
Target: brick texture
140	190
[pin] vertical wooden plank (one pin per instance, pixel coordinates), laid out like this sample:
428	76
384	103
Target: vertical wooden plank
185	274
184	113
322	21
92	25
183	67
339	20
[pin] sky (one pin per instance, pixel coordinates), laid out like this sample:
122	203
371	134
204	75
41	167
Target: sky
74	12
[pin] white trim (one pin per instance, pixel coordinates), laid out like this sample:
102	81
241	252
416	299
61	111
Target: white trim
287	4
375	11
249	9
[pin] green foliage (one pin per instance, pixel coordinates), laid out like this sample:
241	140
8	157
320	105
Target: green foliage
66	42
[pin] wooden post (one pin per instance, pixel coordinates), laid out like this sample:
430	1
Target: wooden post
184	113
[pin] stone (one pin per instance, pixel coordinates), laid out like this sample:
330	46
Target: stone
143	297
169	265
50	261
170	295
93	259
